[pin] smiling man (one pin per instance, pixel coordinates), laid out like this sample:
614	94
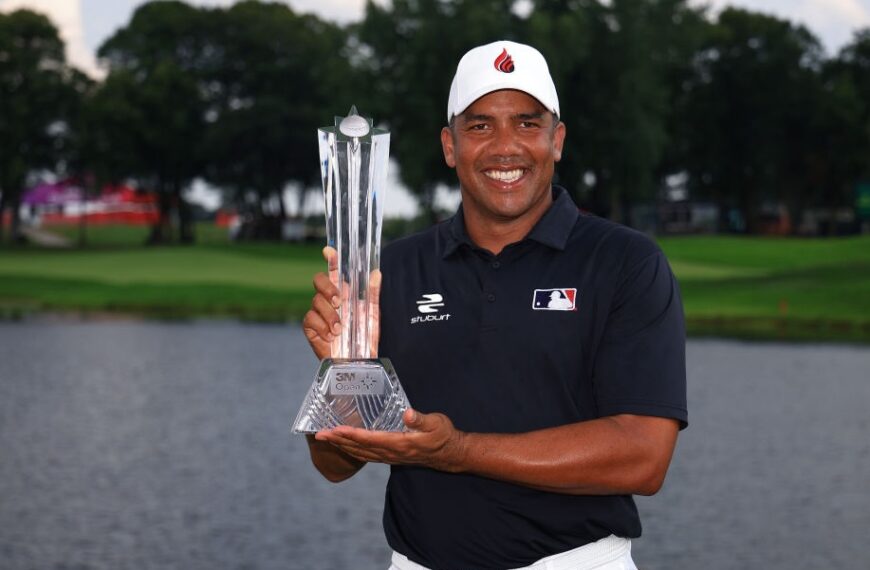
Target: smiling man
555	387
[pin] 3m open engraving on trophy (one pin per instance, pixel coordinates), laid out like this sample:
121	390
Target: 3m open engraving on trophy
354	387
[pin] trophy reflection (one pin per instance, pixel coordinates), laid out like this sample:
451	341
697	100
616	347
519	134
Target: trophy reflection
354	387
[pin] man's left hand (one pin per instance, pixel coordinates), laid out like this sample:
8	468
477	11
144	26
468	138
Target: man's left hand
432	442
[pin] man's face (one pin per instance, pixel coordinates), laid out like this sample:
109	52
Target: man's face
504	147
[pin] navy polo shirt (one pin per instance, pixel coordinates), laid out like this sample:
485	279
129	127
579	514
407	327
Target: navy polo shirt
581	319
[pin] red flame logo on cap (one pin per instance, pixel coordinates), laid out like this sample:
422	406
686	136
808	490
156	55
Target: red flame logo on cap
504	62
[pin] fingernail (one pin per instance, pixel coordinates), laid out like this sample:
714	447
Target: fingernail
336	328
335	302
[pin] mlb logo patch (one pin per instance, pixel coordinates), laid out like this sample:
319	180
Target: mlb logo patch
554	300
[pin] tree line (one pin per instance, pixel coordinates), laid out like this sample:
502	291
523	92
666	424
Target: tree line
742	108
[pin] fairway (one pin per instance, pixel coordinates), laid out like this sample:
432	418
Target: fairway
736	286
774	287
263	282
178	265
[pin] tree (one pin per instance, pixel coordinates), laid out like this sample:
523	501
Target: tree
413	47
38	94
847	119
748	104
148	131
154	101
618	66
612	64
235	95
280	77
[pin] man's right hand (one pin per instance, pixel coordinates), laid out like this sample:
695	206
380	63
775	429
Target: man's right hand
321	323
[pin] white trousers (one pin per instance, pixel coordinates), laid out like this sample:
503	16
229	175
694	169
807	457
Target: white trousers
611	553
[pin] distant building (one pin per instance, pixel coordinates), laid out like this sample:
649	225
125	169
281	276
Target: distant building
65	202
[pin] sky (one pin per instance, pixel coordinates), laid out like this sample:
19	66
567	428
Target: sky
85	24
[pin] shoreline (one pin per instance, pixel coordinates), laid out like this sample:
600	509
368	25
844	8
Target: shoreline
745	328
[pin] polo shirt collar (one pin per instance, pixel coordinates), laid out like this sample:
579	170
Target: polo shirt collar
554	227
552	230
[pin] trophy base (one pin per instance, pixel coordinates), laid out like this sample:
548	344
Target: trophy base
363	393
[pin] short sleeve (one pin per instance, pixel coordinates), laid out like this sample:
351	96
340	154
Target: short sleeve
640	364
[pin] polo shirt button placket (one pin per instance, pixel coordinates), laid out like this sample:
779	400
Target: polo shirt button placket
489	288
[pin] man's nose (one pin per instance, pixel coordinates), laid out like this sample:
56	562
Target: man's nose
505	142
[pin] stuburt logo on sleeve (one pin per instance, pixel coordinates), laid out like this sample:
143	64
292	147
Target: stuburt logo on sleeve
430	305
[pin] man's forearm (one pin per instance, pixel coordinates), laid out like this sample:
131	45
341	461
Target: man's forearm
331	462
613	455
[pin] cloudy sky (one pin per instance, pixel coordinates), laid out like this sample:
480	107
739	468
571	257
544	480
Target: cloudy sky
85	24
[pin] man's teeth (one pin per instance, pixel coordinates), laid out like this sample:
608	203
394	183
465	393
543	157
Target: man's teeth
505	175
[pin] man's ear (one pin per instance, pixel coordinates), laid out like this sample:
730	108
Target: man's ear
447	147
558	141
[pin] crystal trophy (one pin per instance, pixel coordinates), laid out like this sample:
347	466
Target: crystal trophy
354	387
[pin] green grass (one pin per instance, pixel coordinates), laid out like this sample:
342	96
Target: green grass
119	235
774	287
766	254
815	289
252	281
265	267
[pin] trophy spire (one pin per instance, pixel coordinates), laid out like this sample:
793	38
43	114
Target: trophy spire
354	125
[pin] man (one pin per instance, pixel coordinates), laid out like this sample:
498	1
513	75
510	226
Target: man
533	424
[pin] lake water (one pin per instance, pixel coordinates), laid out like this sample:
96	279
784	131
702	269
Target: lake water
130	445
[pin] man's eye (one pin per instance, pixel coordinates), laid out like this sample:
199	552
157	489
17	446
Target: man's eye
478	127
529	125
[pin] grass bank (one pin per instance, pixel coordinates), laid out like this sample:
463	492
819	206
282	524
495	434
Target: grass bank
251	281
797	289
791	289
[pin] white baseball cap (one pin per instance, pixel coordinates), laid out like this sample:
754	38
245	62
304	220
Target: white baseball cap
501	65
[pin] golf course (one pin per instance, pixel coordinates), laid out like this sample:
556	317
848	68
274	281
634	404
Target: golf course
743	287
